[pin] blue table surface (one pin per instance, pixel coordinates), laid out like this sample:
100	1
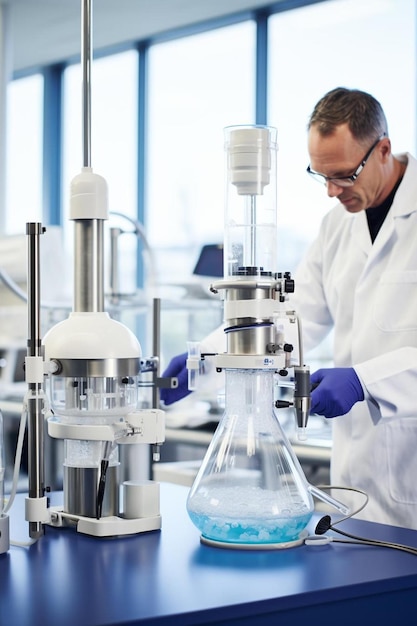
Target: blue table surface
169	577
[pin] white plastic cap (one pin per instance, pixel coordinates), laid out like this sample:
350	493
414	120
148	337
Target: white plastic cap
249	157
88	196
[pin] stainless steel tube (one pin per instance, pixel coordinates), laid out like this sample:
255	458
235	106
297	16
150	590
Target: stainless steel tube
86	61
35	399
156	347
88	233
88	266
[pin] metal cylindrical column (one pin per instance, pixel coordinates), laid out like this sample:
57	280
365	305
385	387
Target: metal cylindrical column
35	398
88	266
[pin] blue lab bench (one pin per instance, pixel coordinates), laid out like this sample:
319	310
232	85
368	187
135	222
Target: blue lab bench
169	577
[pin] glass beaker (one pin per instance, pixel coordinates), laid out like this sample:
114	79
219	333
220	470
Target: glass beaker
250	491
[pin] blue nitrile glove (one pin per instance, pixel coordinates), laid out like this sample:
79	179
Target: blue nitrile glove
176	367
337	390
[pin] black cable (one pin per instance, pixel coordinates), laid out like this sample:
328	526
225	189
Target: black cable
101	488
373	542
325	523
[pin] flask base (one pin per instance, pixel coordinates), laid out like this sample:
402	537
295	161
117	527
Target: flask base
215	543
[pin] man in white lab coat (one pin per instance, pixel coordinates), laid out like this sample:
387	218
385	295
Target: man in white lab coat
359	277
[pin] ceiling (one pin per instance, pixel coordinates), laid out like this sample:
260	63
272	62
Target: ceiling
46	31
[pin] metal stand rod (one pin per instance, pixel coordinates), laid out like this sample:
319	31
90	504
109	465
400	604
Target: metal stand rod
88	233
86	61
35	397
156	348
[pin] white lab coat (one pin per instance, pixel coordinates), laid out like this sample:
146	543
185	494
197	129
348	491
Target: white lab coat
368	294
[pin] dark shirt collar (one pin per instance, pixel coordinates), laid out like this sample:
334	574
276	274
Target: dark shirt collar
377	214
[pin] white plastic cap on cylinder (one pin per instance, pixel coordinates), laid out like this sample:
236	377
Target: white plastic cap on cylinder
249	157
88	196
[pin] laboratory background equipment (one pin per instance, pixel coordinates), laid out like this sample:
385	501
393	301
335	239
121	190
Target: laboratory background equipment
93	365
250	491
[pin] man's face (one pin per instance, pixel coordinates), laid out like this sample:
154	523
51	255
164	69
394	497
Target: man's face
340	154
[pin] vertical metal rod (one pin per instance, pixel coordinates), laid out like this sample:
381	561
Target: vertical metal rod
156	347
88	233
86	60
114	264
35	399
253	231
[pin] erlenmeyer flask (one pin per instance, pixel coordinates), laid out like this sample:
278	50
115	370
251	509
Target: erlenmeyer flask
250	491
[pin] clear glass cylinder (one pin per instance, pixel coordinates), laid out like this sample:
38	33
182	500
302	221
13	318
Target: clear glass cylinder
250	490
91	401
82	473
77	399
250	246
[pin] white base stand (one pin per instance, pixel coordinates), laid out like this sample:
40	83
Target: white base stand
4	533
111	526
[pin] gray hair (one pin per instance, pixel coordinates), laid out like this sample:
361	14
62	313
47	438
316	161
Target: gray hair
359	110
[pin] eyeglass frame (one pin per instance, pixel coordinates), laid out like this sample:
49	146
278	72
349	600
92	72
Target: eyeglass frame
346	181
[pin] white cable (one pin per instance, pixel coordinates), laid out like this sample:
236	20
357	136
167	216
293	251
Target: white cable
20	293
140	234
18	456
23	544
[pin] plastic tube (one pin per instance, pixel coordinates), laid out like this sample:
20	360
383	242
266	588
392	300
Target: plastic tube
325	497
193	364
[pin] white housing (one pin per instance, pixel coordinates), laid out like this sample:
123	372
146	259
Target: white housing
90	336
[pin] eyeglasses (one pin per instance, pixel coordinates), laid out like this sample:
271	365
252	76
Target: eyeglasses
345	181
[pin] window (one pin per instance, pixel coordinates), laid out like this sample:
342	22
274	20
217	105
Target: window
114	127
197	86
24	153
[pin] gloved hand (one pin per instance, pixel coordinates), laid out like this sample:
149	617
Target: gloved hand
338	389
176	367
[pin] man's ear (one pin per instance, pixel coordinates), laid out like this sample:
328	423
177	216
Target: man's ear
385	148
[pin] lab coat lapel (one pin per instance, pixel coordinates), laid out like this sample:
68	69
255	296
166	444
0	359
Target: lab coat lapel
384	240
404	204
360	234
